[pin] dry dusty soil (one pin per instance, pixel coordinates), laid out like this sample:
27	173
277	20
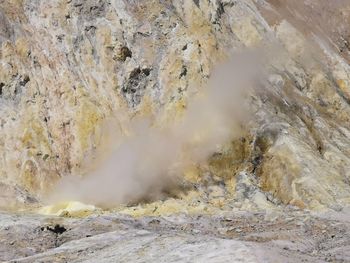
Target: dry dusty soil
285	236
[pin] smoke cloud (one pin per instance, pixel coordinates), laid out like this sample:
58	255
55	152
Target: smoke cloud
151	158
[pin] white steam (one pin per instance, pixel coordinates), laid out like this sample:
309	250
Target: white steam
152	158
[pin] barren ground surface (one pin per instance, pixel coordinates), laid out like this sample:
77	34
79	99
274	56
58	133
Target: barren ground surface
286	236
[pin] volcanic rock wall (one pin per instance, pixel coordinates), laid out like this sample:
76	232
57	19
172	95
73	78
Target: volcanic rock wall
68	65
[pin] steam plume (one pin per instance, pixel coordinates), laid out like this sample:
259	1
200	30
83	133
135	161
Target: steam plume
151	158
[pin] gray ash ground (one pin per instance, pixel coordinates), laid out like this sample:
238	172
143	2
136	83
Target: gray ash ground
284	236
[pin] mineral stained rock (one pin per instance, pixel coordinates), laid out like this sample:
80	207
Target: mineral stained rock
68	66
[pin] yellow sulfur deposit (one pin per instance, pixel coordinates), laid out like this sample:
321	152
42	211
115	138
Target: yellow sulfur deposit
68	209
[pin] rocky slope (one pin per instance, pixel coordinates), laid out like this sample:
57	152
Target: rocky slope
67	66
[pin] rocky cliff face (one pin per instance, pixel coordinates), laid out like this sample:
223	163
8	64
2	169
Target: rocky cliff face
71	68
68	65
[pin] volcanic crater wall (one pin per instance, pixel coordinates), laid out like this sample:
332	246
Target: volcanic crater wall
68	65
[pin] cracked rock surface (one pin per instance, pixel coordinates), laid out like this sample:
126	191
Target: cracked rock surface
288	236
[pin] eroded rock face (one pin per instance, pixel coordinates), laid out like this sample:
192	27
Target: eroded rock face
68	65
